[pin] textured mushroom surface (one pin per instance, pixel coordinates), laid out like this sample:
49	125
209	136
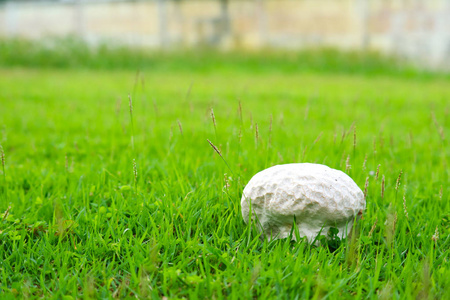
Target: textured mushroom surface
313	196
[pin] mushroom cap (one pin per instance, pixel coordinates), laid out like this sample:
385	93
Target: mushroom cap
317	197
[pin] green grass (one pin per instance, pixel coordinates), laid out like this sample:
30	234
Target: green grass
75	222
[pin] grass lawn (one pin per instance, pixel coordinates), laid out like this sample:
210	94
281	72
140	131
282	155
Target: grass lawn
96	202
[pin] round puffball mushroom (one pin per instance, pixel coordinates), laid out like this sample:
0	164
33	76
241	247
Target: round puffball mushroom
313	196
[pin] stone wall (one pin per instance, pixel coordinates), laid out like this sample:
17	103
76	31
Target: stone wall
416	29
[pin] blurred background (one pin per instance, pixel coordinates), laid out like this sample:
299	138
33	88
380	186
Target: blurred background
418	30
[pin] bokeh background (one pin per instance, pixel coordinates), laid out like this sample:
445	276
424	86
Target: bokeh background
418	30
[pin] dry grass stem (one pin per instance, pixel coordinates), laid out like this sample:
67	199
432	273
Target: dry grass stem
213	118
130	103
280	157
188	93
410	139
441	133
439	128
180	127
214	147
381	141
131	118
405	209
343	135
256	133
397	184
135	170
270	131
220	154
318	138
226	181
378	172
240	111
395	220
348	166
270	123
435	236
2	153
374	145
72	164
366	185
373	227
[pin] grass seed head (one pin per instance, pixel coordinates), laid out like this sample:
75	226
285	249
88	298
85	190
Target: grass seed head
378	172
240	110
374	145
382	187
213	118
2	153
343	135
130	103
348	166
395	219
256	133
226	181
270	123
364	163
373	227
366	185
405	209
397	184
270	132
135	170
318	138
441	133
214	147
6	213
180	127
435	236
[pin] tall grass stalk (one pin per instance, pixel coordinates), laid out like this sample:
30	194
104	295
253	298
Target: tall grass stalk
221	156
131	121
2	154
135	173
397	183
213	118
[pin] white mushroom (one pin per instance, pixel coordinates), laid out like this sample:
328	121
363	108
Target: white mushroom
315	196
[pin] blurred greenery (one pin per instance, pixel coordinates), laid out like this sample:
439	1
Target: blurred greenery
73	53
